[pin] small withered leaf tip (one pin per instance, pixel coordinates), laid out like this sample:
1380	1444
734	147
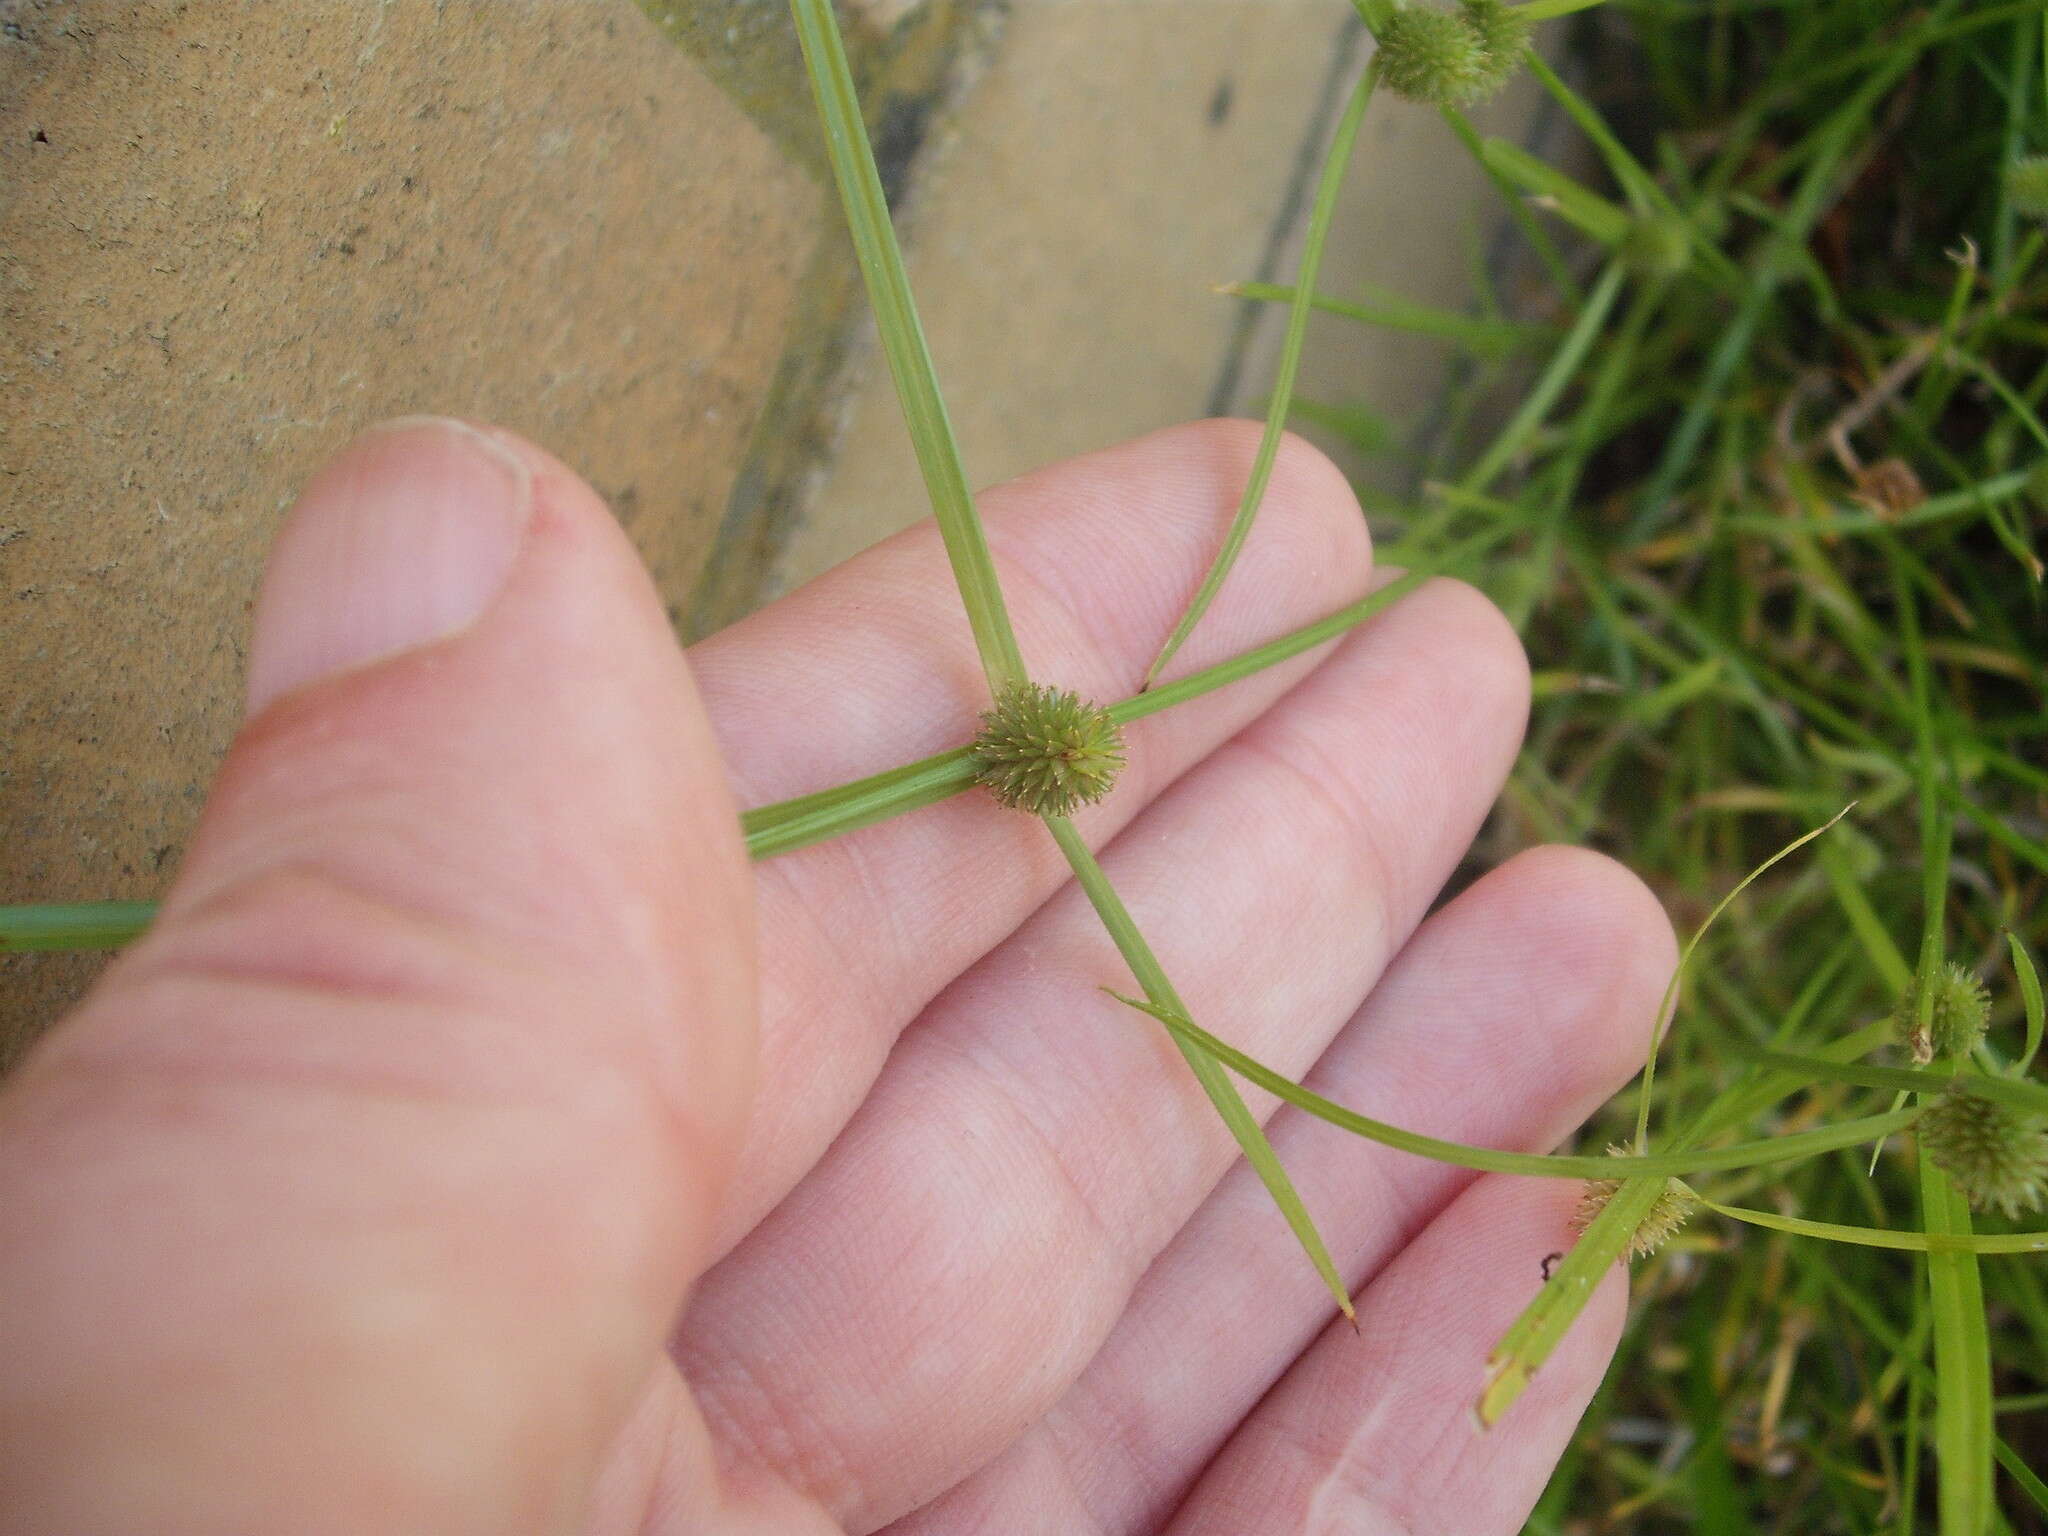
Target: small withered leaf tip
1047	751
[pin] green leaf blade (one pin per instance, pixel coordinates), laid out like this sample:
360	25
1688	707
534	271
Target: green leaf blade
903	341
1320	214
1229	1103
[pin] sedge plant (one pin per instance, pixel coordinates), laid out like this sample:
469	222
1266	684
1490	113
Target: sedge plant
1766	522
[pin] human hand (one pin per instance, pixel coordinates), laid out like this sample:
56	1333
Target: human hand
366	1191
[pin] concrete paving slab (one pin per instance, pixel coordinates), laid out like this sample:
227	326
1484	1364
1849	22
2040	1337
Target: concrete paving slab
235	232
1065	265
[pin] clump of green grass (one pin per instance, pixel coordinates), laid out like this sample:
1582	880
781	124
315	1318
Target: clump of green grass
1773	541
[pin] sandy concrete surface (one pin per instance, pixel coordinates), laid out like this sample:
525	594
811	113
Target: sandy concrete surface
235	231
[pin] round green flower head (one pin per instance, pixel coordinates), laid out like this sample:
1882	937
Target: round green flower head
2026	186
1673	1209
1503	31
1955	1023
1997	1156
1451	58
1047	751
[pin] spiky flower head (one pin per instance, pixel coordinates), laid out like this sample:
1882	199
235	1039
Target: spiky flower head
1502	29
1450	58
1955	1021
1673	1209
1997	1156
1047	751
2026	186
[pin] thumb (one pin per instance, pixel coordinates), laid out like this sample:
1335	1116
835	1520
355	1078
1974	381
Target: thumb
362	1192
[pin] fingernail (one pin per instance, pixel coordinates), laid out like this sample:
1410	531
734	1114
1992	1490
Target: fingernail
403	539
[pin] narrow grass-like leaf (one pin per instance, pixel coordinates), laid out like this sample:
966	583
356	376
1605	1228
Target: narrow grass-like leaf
1544	10
2025	1477
1667	1007
1804	209
1963	1414
1750	1154
791	824
1939	508
1474	333
1962	1362
1524	217
903	341
2029	1098
73	925
1628	172
1309	636
1320	214
1879	948
2030	1002
1558	373
1575	203
1884	1237
1230	1104
1737	1104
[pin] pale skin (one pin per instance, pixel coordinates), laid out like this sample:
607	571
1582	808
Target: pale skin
479	1144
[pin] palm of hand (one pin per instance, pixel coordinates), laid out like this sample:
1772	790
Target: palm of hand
438	1087
980	1272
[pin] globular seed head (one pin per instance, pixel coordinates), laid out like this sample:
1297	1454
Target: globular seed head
1434	57
1047	751
1502	29
2026	186
1955	1021
1673	1209
1451	58
1997	1156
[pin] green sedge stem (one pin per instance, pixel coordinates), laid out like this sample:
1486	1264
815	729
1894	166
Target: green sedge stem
1486	338
1557	373
1298	311
1962	1360
1962	1339
1545	10
1886	1237
2013	1092
1667	1009
789	825
924	412
903	341
1216	1083
1750	1154
73	925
